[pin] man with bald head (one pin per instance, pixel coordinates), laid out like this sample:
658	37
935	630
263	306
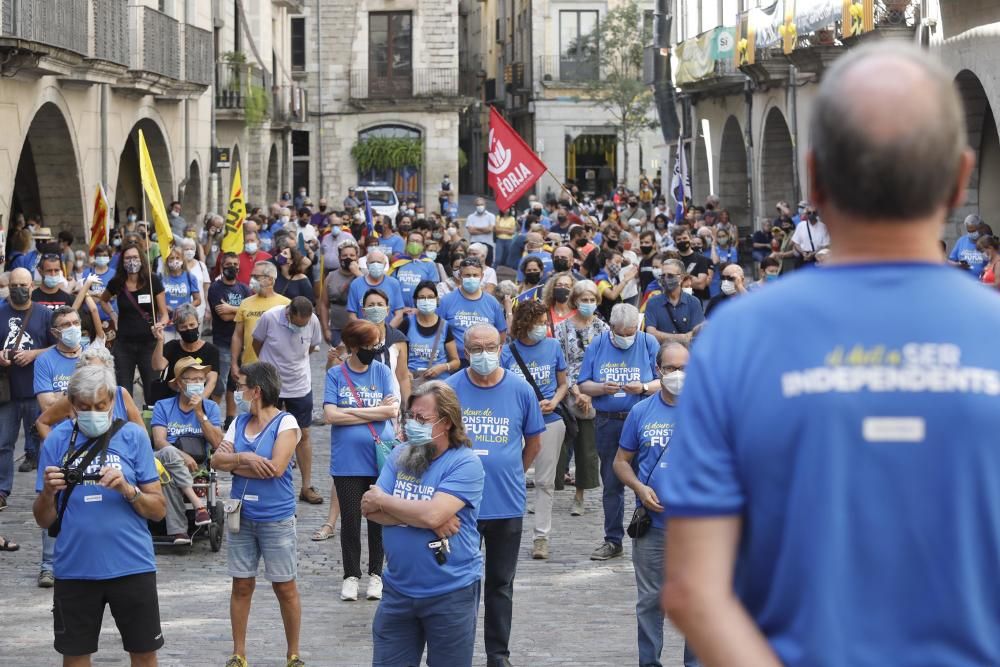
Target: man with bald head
25	333
834	500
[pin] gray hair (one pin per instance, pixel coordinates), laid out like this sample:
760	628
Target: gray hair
268	269
183	312
896	163
478	247
88	382
482	326
96	354
348	243
973	220
624	315
212	218
376	256
186	243
676	263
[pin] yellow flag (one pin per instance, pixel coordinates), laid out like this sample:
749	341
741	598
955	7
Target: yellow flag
153	199
232	240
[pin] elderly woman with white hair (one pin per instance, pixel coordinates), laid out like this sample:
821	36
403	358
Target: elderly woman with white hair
575	335
618	370
105	556
194	263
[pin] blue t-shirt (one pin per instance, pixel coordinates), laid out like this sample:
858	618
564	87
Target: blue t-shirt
36	336
102	536
419	353
647	430
53	370
268	500
169	414
411	274
544	360
352	448
687	314
265	238
395	244
179	289
862	461
97	289
497	418
603	362
730	255
543	255
388	285
411	568
462	313
965	250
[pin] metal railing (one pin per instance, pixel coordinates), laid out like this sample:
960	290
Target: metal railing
557	69
197	55
418	82
289	104
110	34
155	42
59	23
235	83
469	83
895	14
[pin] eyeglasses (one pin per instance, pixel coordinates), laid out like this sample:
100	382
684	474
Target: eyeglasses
258	276
486	348
665	370
420	419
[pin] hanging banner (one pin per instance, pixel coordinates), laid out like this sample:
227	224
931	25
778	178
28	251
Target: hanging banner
696	57
857	16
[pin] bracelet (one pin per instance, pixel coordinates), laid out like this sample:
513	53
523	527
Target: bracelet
237	459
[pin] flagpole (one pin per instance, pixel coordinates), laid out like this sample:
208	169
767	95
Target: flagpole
149	239
562	186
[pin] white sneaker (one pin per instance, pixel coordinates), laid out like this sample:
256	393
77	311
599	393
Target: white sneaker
374	587
350	590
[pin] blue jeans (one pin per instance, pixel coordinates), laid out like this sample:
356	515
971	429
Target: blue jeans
647	560
609	432
445	623
503	252
48	551
17	413
225	363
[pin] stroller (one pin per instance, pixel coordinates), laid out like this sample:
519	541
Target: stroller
206	486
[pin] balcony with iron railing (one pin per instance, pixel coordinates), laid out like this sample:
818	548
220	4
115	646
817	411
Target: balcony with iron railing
155	42
417	82
239	86
572	72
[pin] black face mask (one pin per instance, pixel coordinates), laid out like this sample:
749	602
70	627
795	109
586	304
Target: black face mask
229	272
190	335
560	294
560	264
562	219
303	223
19	295
322	209
581	242
403	229
683	246
532	278
646	249
611	243
367	356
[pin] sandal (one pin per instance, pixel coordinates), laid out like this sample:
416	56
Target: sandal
323	533
7	545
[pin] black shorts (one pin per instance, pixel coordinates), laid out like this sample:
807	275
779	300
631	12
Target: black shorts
301	408
78	610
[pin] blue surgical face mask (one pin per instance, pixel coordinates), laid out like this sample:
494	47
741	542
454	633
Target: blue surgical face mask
93	423
52	281
471	285
376	270
586	309
71	337
485	363
417	433
193	389
242	404
431	255
84	341
376	314
973	236
770	277
538	333
102	261
622	342
427	306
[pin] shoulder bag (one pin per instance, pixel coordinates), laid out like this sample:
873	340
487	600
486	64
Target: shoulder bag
570	403
571	428
442	324
641	521
5	391
232	507
383	448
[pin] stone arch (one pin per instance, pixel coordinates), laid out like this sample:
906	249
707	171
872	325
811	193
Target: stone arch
273	179
406	180
777	174
732	184
47	181
128	192
982	195
191	201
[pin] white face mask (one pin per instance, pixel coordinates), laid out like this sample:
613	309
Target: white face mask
673	382
728	287
687	290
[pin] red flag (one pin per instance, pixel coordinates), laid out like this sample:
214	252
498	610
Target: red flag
511	164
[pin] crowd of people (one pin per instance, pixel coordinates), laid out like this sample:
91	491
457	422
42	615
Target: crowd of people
460	356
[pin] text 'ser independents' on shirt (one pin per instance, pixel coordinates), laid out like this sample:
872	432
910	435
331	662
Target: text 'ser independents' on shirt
862	457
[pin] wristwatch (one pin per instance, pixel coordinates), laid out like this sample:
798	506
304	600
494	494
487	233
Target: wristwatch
138	492
645	387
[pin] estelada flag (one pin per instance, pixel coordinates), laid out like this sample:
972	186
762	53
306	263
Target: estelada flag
232	239
99	222
154	200
511	164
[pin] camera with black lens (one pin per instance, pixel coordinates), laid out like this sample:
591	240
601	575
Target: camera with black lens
441	550
77	475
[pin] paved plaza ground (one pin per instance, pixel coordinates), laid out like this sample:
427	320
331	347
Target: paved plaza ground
568	610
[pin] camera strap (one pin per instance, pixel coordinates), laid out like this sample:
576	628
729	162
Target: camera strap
62	498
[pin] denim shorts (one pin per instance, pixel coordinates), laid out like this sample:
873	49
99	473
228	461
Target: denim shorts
274	540
225	363
301	408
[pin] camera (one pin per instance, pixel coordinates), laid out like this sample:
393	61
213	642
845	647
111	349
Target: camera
440	549
77	476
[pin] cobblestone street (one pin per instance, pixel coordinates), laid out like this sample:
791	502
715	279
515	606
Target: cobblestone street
567	611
